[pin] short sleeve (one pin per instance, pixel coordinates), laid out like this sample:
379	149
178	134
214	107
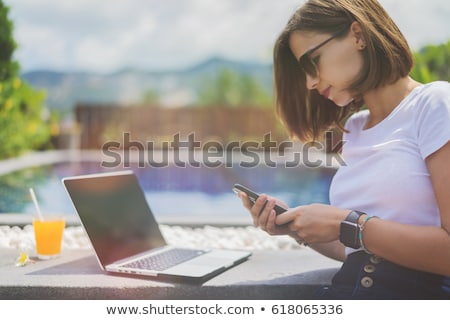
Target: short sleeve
433	120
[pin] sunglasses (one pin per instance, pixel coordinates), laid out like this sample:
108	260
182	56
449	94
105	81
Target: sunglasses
307	63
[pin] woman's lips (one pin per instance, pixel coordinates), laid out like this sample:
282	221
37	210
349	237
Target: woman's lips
326	93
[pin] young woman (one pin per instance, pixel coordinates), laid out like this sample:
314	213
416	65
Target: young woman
389	213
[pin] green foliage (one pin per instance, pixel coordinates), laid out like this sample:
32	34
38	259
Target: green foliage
7	45
21	118
21	107
230	89
432	63
151	97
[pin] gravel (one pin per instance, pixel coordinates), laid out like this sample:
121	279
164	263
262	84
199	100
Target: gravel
249	238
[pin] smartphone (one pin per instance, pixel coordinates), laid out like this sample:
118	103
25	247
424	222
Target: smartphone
252	196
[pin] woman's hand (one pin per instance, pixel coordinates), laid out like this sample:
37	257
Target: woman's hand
314	223
263	213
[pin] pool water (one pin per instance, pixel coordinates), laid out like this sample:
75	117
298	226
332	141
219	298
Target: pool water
171	191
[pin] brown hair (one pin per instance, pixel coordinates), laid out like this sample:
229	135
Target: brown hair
387	58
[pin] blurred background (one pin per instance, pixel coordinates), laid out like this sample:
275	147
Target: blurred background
75	74
65	56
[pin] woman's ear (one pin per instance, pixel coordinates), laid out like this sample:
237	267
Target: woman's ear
358	35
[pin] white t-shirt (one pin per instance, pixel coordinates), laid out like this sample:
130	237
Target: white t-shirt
385	173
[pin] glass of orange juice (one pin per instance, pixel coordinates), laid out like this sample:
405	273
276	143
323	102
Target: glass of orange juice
48	234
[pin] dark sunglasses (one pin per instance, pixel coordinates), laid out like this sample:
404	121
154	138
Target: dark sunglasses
307	63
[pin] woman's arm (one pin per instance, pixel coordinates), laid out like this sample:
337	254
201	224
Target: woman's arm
423	248
334	250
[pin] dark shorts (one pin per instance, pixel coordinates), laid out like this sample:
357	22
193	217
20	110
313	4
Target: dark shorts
365	276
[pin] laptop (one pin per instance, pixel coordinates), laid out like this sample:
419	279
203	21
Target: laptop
125	234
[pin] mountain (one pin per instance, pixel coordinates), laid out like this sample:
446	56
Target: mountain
128	86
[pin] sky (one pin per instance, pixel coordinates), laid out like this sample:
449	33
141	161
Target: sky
105	36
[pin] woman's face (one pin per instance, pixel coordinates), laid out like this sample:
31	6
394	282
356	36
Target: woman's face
338	62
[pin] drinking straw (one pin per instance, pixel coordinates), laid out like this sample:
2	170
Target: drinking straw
36	205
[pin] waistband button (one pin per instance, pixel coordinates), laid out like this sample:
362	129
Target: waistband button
367	282
375	259
369	268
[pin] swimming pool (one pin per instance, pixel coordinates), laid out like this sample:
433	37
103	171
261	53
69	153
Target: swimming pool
172	192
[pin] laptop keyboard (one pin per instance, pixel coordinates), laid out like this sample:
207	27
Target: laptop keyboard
165	260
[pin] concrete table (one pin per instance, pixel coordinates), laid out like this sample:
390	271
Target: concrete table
289	274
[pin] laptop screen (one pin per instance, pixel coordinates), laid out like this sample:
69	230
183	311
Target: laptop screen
115	214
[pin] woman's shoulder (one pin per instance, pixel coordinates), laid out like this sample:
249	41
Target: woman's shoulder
433	97
437	85
435	90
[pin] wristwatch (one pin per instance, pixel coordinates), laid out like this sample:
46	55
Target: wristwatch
349	230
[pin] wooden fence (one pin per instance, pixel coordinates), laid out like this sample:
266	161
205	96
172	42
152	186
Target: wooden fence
102	123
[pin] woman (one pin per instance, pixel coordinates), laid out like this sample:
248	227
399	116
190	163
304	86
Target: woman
389	213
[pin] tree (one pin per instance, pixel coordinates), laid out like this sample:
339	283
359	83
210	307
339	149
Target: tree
151	96
8	68
432	63
22	113
231	89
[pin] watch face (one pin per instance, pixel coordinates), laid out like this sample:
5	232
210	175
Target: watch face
349	234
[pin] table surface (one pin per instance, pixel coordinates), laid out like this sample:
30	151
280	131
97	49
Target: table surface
267	274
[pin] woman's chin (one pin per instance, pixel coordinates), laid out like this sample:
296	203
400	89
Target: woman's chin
341	101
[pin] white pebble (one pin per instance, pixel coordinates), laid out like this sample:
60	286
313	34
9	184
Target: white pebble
247	238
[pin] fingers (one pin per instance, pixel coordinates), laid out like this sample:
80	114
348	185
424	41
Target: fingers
266	220
259	210
263	214
255	208
287	216
245	201
292	218
270	227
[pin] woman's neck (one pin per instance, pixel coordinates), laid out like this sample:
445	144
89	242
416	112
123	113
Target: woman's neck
383	100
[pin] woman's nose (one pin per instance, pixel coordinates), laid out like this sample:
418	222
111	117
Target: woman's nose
311	82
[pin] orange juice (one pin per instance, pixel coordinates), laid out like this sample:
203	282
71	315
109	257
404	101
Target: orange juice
48	234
